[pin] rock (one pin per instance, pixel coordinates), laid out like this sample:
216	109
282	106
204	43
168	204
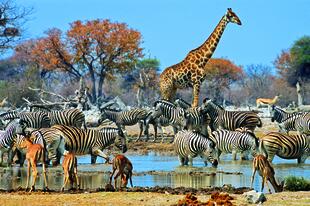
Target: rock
254	197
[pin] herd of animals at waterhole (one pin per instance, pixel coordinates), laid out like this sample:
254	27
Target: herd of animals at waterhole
206	130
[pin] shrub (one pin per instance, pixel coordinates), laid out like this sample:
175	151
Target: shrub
293	183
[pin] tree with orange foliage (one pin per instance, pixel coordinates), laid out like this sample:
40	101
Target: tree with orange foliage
221	74
94	49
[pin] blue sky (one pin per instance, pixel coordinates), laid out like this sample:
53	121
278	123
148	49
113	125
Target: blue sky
171	28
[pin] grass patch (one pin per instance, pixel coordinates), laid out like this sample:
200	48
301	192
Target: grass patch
293	183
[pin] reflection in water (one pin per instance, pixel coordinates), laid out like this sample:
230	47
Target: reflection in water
96	176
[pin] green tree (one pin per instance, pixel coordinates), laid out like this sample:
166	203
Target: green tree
294	65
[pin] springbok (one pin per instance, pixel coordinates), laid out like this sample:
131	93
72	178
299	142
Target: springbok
35	153
266	171
69	166
266	101
124	167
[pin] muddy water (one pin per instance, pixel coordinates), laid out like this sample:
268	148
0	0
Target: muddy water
97	176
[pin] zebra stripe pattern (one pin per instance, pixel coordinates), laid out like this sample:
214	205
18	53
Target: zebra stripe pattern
125	118
285	146
242	140
60	138
33	119
188	144
196	119
16	126
230	120
174	114
302	124
69	117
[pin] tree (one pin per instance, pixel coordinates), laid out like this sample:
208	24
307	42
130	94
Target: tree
221	74
12	18
97	49
294	65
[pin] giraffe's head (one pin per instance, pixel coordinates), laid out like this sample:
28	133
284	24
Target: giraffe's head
232	17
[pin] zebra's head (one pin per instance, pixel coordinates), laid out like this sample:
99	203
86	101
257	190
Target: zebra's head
211	154
273	113
120	141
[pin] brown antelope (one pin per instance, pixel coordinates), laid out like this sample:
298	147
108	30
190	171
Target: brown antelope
266	101
69	166
266	171
35	153
124	167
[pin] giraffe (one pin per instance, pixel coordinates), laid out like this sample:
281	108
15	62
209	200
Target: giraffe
191	71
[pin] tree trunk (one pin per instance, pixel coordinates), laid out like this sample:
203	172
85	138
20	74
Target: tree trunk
100	84
93	90
299	94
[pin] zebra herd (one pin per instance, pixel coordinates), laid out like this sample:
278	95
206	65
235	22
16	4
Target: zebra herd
206	131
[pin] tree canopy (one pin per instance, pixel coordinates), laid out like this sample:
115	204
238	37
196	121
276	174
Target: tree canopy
96	49
294	64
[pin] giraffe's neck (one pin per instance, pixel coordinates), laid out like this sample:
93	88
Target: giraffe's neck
202	54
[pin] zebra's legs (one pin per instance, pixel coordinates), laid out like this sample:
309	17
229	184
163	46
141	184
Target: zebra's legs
1	157
44	173
141	129
155	132
234	154
302	159
93	158
76	178
182	160
190	161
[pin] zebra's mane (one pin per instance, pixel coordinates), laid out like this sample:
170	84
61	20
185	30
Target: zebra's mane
14	113
165	102
182	103
216	105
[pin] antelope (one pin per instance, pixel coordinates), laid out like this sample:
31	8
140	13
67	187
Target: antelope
124	167
35	153
69	166
266	101
266	171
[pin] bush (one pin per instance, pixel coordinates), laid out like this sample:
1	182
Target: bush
293	183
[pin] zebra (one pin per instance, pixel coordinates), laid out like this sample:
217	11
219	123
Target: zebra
230	120
197	119
242	140
61	138
33	119
15	126
286	121
158	122
189	144
69	117
125	118
302	124
176	116
285	146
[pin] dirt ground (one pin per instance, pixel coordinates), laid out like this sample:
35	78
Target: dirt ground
136	198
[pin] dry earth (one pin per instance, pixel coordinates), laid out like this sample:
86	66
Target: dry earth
137	198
